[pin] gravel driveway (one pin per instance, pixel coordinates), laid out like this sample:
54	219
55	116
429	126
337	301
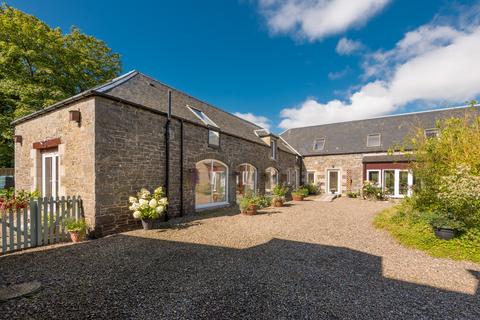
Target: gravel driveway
311	260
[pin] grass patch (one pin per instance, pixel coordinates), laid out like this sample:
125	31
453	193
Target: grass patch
410	230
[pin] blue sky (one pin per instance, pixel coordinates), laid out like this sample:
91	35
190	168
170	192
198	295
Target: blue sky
291	62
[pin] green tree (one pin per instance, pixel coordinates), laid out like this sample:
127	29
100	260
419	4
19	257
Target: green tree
39	66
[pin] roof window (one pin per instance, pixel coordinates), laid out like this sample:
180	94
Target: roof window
374	140
319	144
202	116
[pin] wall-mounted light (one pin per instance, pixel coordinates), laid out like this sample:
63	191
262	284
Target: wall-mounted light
75	116
18	139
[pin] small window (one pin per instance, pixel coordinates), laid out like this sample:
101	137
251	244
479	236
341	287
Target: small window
213	138
202	116
374	176
431	133
319	144
373	140
310	177
273	145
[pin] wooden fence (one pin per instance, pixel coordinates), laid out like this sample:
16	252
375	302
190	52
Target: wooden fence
7	171
41	223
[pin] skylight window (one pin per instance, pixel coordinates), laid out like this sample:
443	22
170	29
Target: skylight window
202	116
319	144
373	140
431	133
261	132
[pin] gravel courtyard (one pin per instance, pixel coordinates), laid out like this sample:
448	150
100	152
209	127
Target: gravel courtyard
310	260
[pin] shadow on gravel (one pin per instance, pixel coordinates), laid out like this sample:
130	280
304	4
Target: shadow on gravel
123	276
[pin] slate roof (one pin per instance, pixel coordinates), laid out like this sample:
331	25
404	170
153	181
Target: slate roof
143	90
351	137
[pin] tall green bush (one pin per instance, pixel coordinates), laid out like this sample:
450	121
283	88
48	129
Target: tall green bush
447	169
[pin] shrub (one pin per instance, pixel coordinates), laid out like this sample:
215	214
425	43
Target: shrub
301	191
15	199
447	170
147	205
352	194
312	189
372	191
78	226
280	190
262	201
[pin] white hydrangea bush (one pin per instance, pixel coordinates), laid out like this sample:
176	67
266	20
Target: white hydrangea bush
147	205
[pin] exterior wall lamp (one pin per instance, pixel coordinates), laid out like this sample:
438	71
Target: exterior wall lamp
18	139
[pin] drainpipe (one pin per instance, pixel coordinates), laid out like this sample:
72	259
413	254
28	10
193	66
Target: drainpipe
167	144
181	167
300	178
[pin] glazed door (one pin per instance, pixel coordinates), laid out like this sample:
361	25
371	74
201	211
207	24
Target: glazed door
333	181
50	174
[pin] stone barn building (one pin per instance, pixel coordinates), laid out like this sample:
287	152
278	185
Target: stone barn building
108	142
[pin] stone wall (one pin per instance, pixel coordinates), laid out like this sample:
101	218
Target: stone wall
350	166
76	153
130	144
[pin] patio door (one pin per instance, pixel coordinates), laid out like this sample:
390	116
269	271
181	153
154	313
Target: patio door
50	174
397	183
333	181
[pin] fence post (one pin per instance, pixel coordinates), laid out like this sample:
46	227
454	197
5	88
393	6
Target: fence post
33	222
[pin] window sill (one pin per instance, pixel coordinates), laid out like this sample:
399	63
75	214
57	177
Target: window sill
210	206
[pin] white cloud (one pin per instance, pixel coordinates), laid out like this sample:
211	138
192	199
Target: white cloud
317	19
338	74
431	64
261	121
346	46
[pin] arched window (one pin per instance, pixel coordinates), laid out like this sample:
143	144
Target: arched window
211	184
246	179
271	179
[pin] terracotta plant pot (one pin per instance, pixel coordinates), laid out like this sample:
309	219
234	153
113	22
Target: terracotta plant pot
251	210
278	203
76	237
297	197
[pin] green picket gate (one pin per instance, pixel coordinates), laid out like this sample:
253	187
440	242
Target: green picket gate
41	223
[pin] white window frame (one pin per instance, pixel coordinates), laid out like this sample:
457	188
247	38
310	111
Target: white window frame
380	181
379	140
396	193
55	164
437	132
276	175
209	121
273	145
315	143
339	178
314	176
218	137
215	204
255	176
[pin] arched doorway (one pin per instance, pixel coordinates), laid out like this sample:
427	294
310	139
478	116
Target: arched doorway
211	184
271	179
246	179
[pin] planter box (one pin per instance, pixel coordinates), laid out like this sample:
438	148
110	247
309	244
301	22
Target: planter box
297	197
251	210
444	233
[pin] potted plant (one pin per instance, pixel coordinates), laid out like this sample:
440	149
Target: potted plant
149	207
300	193
278	201
77	229
279	193
248	206
445	227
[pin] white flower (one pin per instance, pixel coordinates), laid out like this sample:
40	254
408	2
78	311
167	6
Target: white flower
153	203
137	214
160	209
163	201
132	199
159	190
143	202
144	193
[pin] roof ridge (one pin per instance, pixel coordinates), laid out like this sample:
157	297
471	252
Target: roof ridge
115	81
384	117
199	100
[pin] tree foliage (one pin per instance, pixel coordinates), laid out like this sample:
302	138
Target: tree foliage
40	65
447	169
